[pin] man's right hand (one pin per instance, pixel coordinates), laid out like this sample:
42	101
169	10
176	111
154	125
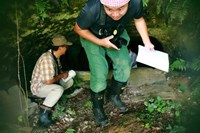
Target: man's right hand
63	75
87	34
107	44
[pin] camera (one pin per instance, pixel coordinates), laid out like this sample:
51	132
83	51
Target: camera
117	40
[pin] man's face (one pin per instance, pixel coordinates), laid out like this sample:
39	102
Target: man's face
63	49
116	13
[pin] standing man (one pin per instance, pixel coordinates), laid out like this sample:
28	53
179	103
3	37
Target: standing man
101	26
47	78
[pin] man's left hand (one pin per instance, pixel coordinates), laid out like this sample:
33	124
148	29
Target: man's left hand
150	46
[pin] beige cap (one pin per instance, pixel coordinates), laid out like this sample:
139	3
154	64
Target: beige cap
60	40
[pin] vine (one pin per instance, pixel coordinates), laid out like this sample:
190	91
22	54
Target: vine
25	93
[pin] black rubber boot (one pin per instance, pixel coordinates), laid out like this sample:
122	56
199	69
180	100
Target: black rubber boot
45	118
98	111
114	95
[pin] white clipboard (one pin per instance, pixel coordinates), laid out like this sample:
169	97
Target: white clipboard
156	59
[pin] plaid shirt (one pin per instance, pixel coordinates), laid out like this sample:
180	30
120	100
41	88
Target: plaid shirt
45	69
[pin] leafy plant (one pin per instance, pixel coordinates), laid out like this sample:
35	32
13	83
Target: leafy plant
145	3
179	64
155	108
71	111
173	10
70	130
42	7
88	104
175	129
20	118
59	111
181	87
77	82
63	100
195	87
65	2
195	64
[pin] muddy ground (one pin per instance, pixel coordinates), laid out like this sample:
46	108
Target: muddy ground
78	116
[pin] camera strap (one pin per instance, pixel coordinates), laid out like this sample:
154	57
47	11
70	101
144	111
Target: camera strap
118	30
56	62
103	15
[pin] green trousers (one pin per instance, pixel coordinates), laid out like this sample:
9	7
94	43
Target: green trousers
99	65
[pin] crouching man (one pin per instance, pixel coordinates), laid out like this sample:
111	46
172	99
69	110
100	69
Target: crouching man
48	79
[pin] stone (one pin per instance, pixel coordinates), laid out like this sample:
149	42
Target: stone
144	82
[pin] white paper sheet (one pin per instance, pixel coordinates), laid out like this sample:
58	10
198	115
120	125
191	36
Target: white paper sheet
156	59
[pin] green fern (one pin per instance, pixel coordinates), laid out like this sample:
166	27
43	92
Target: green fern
145	3
195	87
195	82
173	10
195	64
184	65
65	2
41	7
178	10
179	64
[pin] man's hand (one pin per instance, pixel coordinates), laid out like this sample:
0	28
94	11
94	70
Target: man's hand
105	42
150	46
63	75
56	78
